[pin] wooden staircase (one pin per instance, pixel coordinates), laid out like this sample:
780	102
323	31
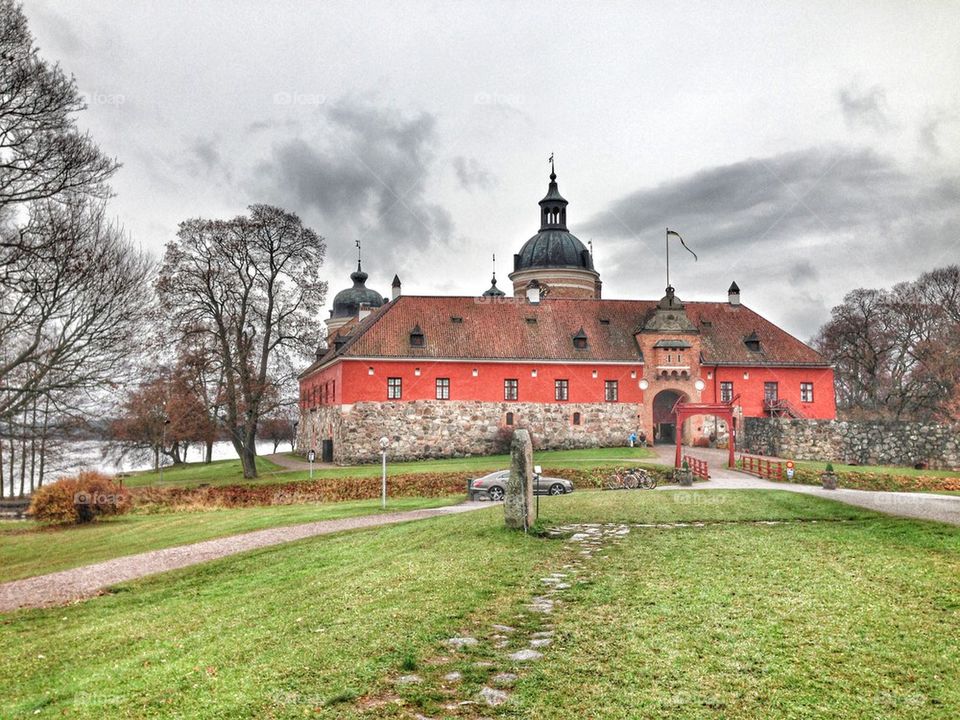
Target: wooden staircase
782	408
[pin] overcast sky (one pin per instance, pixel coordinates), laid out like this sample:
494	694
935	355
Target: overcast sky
802	149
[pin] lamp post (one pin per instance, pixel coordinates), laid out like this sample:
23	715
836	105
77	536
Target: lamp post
163	444
384	444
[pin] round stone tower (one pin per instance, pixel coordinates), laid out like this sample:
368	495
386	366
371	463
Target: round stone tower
555	258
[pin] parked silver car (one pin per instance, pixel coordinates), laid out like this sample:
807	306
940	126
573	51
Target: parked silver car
494	485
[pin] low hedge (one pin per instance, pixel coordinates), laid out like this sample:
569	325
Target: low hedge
879	481
341	489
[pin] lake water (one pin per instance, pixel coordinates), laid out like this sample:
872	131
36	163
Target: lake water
78	455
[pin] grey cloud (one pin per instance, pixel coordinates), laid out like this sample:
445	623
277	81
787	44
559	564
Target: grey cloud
472	175
815	220
365	174
865	107
928	135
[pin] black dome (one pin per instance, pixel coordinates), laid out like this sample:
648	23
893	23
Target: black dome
553	249
347	302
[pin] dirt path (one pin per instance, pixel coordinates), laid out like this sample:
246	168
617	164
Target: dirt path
290	463
69	585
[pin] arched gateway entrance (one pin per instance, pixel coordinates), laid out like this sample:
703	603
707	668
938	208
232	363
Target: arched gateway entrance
665	426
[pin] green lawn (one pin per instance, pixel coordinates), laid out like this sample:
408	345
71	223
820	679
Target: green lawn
229	471
879	469
854	616
29	549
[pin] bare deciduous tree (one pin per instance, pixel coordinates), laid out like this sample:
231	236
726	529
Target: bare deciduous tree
251	286
896	351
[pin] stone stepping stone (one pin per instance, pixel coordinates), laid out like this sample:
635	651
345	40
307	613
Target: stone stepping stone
453	676
493	697
542	605
549	580
540	642
526	655
503	628
458	643
409	680
504	679
561	586
543	634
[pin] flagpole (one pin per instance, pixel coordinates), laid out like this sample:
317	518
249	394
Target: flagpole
666	242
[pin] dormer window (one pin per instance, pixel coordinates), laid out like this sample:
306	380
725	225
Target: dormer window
752	342
580	340
416	337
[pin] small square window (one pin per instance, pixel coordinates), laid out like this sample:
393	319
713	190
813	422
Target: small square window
806	392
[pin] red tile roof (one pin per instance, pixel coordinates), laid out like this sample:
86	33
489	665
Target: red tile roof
510	329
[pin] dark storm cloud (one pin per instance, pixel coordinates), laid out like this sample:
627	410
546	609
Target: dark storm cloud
848	215
472	175
763	200
365	172
865	107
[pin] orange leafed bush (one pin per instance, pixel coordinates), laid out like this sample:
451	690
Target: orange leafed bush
79	499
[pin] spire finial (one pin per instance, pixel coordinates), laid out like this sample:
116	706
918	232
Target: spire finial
494	269
590	243
358	255
553	172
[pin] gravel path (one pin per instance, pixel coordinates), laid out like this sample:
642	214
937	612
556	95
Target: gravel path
921	506
90	580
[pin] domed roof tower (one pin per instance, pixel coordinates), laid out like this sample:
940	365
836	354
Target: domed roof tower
555	257
353	303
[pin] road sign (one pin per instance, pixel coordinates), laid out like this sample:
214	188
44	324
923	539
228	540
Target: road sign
789	464
312	455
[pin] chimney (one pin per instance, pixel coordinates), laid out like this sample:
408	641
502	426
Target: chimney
396	288
733	294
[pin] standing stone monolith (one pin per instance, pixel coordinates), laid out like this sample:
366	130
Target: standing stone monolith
518	508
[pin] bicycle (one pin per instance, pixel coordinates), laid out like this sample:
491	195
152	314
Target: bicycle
631	479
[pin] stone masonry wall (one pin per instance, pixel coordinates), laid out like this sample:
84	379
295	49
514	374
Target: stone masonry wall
862	442
448	428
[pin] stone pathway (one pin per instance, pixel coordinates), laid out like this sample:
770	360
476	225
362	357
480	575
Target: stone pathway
493	656
90	580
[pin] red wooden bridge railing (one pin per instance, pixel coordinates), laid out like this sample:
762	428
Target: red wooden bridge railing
762	467
698	466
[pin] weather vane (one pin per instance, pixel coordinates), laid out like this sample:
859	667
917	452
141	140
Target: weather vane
552	170
358	253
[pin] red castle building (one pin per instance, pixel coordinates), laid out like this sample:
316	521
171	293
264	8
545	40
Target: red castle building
452	376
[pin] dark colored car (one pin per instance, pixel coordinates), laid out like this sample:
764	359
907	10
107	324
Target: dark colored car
494	485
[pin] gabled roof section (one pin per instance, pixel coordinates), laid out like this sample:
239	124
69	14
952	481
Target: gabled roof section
722	338
511	329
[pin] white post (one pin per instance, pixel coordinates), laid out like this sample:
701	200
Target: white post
384	443
383	490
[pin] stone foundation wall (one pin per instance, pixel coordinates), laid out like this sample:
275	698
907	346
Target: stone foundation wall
447	428
862	442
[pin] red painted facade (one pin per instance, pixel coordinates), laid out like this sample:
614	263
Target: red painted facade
351	381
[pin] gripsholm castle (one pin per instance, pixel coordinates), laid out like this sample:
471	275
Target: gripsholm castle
451	376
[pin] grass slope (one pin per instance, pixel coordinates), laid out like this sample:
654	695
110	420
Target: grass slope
829	619
27	550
